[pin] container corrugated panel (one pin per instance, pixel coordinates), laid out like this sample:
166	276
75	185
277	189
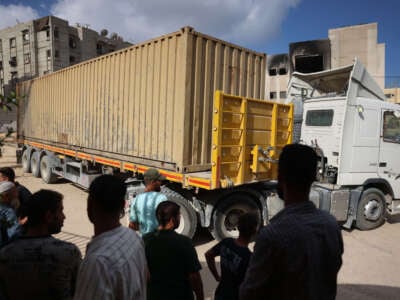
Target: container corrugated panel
149	104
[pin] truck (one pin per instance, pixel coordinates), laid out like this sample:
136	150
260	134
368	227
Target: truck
343	115
186	103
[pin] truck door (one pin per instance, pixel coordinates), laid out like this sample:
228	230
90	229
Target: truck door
389	160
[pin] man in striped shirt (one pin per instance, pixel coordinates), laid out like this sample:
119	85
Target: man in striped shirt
299	253
115	263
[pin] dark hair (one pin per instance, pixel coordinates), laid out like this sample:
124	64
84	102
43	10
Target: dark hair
108	192
298	165
41	202
247	224
8	172
165	211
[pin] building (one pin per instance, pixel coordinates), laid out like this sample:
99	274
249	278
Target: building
45	45
340	49
393	95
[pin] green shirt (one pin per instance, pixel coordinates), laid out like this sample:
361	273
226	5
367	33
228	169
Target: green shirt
171	257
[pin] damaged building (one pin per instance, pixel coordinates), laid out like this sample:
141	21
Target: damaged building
45	45
341	47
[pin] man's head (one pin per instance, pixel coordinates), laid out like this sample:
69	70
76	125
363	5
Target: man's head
153	180
106	198
247	225
7	174
168	215
45	208
9	194
297	169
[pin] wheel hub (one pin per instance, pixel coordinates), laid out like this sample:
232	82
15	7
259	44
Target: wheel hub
372	210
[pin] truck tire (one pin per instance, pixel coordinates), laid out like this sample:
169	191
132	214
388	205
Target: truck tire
226	215
35	164
45	170
188	223
26	163
371	209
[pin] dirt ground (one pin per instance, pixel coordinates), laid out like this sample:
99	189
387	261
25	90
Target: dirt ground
371	262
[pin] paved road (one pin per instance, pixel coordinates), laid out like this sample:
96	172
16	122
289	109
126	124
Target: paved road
371	263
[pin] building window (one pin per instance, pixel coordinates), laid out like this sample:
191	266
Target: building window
25	36
272	72
282	71
99	48
282	95
272	95
56	54
48	54
72	42
48	33
1	65
27	58
13	61
55	33
72	59
13	43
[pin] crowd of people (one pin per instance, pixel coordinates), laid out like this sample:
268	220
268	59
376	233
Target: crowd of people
296	256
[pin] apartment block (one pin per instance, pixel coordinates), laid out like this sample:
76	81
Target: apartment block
46	45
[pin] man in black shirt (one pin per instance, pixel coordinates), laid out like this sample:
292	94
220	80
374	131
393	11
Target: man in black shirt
235	256
172	260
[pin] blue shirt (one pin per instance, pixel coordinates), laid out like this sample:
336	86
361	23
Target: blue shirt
9	226
143	210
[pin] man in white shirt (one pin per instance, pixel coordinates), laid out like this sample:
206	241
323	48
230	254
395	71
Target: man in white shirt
115	263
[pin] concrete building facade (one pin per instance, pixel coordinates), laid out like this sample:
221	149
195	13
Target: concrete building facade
45	45
393	95
343	45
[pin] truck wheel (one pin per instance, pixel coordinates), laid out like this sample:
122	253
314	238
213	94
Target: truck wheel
45	170
371	209
226	215
188	223
26	164
35	166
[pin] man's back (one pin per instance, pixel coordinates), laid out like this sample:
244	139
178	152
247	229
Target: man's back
143	210
39	268
171	258
296	256
114	267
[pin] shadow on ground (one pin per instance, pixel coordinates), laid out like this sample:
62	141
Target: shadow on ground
202	236
367	292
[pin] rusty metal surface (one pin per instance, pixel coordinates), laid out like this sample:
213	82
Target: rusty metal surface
151	102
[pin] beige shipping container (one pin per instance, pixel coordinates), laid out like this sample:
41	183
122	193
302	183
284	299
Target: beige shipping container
148	104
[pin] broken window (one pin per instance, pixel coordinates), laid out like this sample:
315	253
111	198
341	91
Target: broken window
13	42
48	54
309	63
272	95
282	71
27	58
272	72
25	36
55	33
13	61
1	65
72	42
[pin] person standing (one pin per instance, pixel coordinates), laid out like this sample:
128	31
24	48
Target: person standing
37	265
115	263
235	256
8	174
173	263
10	228
142	211
299	253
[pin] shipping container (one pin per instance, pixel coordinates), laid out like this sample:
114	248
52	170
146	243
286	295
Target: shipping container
149	104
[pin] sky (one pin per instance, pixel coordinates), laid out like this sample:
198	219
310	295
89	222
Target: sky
262	25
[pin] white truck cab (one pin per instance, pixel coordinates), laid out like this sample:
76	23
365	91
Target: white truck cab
356	133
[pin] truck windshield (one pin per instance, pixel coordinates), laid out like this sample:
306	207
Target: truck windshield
321	117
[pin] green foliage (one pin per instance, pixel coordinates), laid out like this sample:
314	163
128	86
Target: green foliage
7	102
